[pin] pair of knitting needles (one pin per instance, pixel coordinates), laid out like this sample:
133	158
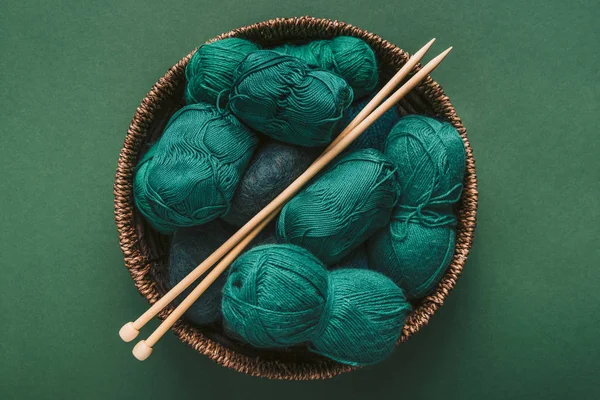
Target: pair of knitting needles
229	250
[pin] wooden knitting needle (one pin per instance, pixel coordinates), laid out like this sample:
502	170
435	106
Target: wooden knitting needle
130	330
144	348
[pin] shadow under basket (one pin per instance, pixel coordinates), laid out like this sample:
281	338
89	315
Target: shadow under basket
146	252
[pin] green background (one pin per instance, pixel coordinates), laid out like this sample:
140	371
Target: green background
523	319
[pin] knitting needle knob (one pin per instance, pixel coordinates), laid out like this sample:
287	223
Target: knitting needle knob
128	332
142	351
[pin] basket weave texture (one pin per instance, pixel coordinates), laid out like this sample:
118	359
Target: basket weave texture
146	252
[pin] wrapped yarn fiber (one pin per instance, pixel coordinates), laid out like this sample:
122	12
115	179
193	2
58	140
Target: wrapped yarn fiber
189	247
278	296
357	259
431	158
345	205
413	255
190	175
282	97
347	56
418	245
374	137
274	296
273	168
365	318
210	70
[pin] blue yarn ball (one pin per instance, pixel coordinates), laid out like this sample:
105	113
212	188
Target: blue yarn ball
345	205
347	56
189	247
210	70
285	99
374	137
278	296
273	168
417	247
190	175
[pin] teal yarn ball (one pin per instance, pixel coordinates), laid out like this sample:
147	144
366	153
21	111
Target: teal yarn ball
431	158
282	97
274	296
345	205
347	56
365	315
358	259
417	247
190	175
189	247
277	296
211	69
375	136
415	256
273	168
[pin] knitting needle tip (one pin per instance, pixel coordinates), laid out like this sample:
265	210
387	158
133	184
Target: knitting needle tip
437	60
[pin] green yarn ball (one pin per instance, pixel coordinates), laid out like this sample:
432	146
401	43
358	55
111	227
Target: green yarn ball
345	205
190	175
189	247
431	158
277	296
358	258
282	97
417	247
273	168
211	69
347	56
413	255
365	314
274	296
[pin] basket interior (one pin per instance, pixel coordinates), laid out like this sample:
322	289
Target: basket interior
147	251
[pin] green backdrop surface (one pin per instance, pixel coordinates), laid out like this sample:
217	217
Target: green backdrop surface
523	319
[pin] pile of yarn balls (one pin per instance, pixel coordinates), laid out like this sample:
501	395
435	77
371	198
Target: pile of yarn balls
341	267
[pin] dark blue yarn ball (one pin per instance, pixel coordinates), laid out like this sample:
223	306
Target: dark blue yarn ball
189	247
274	166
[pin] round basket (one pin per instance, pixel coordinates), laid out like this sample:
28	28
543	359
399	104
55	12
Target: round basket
146	251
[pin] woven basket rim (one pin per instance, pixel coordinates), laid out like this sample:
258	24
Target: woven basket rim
139	266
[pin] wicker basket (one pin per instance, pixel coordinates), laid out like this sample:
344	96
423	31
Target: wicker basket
146	251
